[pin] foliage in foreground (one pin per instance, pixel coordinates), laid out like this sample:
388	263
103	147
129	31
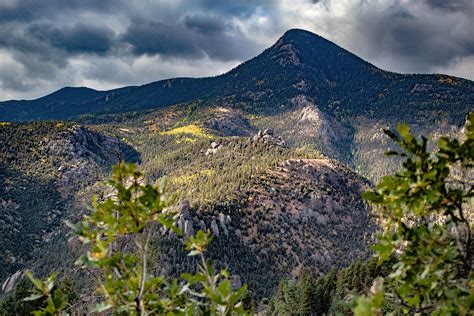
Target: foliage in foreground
325	295
423	208
423	258
427	233
15	303
124	281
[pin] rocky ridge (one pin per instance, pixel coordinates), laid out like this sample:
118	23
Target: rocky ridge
33	204
305	212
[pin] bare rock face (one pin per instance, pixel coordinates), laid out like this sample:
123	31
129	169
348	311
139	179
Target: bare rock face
422	87
228	122
223	222
83	154
307	125
235	281
188	228
313	119
10	282
202	225
303	213
213	149
184	220
287	54
312	125
68	162
214	228
267	137
183	208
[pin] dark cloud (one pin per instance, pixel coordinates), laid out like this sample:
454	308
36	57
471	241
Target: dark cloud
12	78
14	13
196	36
14	39
413	39
158	38
28	10
50	43
241	8
205	24
451	5
80	38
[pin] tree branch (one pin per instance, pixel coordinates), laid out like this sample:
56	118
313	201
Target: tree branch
143	249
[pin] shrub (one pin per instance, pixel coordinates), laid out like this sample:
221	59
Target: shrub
126	285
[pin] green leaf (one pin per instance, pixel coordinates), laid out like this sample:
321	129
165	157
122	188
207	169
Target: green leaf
363	307
224	288
33	297
383	249
101	307
37	283
372	196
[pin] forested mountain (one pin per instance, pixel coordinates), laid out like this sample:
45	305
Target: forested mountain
300	63
308	89
44	168
270	157
251	193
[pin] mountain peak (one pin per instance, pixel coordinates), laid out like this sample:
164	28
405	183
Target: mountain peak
319	58
73	94
301	37
299	63
291	33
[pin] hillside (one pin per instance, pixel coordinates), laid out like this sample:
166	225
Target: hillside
43	168
309	90
252	193
301	213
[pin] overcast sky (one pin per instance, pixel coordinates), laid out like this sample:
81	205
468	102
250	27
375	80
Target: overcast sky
103	44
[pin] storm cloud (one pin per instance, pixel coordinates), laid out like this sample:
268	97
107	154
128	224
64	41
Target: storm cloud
197	36
80	38
45	45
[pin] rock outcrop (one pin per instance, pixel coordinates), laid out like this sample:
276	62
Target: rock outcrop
83	154
55	166
213	148
228	122
267	137
10	282
303	213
